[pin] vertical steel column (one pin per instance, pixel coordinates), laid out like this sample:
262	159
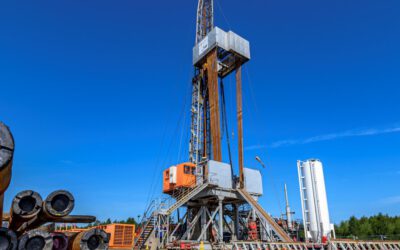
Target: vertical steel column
288	212
203	221
213	90
240	122
236	214
221	219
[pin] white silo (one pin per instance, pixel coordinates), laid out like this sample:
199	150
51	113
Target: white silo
313	200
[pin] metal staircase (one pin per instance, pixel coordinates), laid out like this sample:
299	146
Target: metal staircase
146	231
147	224
185	196
274	226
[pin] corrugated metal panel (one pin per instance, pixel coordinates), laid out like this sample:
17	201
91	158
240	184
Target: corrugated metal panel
228	41
253	181
220	174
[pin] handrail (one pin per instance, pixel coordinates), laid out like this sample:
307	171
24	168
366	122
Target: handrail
144	217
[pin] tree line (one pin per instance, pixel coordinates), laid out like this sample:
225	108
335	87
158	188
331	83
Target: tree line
380	226
129	220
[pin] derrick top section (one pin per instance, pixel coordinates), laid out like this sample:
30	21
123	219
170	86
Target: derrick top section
205	19
232	50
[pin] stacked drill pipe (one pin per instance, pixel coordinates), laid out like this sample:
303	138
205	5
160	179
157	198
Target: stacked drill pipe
25	206
60	241
35	240
89	240
6	159
8	239
57	205
29	216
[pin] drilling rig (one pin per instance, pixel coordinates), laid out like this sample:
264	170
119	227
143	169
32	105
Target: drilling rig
211	204
208	205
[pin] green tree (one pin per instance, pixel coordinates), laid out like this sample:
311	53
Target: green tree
379	226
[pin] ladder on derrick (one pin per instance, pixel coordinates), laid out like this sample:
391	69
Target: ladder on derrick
185	196
196	123
283	236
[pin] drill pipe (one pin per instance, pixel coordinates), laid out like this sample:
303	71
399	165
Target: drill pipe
35	240
65	219
6	158
8	239
75	219
93	239
25	205
56	206
60	241
6	217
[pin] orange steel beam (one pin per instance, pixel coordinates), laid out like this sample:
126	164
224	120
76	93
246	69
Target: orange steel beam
213	93
239	105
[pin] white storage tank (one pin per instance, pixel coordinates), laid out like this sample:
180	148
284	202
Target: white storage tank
317	226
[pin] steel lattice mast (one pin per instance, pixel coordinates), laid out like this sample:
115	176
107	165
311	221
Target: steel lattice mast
205	19
200	141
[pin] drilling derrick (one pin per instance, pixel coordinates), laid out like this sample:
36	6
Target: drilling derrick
200	128
211	204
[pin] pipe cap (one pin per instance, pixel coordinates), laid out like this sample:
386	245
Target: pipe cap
6	146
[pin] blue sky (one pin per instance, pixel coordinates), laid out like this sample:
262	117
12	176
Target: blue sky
97	95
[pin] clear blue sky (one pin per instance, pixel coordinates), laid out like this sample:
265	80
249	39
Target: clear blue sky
97	95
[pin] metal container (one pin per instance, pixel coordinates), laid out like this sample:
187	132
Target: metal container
253	181
220	174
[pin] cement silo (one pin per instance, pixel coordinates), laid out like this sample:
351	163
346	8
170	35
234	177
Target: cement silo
314	203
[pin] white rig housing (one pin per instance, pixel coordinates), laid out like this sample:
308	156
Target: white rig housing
219	174
253	182
314	201
232	50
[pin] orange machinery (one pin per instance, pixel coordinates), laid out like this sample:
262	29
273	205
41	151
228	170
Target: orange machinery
180	176
121	235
